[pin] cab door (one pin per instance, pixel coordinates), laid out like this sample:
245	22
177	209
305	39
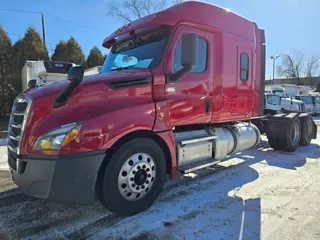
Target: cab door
242	99
189	100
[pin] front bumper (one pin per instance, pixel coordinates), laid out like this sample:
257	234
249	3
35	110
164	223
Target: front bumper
67	178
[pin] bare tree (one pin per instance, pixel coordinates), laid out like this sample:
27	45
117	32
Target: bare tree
130	10
312	65
293	65
298	64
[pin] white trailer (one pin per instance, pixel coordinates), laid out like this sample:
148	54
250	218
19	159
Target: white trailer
292	90
44	72
93	70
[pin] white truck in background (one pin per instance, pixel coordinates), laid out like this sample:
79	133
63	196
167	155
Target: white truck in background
272	104
287	104
46	72
308	102
292	90
316	102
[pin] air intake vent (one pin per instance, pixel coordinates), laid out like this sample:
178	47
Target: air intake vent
119	84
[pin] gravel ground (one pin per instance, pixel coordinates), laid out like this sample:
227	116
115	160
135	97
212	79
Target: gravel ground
256	194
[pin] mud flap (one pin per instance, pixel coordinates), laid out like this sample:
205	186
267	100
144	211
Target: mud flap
282	132
314	125
279	125
314	130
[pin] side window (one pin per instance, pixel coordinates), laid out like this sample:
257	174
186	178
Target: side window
201	65
244	67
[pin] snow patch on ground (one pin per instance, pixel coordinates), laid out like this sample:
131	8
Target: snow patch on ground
316	118
237	199
243	197
3	159
3	141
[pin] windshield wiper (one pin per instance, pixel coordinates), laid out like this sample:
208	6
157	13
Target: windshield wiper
120	68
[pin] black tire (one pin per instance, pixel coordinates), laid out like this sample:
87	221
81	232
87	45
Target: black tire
271	141
306	130
276	143
260	125
291	144
109	193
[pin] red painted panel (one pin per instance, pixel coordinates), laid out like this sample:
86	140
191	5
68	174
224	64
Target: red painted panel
107	114
186	98
168	137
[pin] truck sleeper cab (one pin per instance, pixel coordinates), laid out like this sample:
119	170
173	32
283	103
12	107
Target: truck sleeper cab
176	94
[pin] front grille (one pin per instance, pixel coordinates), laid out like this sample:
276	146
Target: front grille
302	107
17	121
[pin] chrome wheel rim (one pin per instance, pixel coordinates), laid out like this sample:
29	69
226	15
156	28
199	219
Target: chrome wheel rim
295	134
137	176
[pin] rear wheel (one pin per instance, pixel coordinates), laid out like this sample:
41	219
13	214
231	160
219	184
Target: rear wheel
133	178
293	137
306	130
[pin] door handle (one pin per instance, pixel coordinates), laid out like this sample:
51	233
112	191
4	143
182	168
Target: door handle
207	104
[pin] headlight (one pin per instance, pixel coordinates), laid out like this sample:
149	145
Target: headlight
58	137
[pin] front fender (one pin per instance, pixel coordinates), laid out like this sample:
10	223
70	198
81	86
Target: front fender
99	131
103	131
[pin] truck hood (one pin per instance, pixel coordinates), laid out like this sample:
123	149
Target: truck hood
293	100
98	99
92	98
89	83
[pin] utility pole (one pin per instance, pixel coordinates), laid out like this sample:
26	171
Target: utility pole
43	31
274	65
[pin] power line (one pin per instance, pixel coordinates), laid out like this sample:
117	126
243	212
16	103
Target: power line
24	11
50	15
81	25
18	35
13	34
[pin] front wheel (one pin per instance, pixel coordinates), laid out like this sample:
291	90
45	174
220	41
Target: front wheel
133	178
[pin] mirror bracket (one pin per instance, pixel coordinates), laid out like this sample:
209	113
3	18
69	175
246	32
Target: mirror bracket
32	83
176	77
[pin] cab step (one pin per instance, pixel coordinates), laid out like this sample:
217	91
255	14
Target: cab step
197	166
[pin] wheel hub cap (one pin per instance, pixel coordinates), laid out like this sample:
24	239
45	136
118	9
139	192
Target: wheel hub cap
140	177
136	176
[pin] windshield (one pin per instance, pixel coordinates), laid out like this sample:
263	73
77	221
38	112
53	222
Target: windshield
273	99
317	100
141	52
307	99
279	93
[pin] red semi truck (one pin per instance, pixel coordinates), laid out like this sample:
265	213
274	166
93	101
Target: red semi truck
177	93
